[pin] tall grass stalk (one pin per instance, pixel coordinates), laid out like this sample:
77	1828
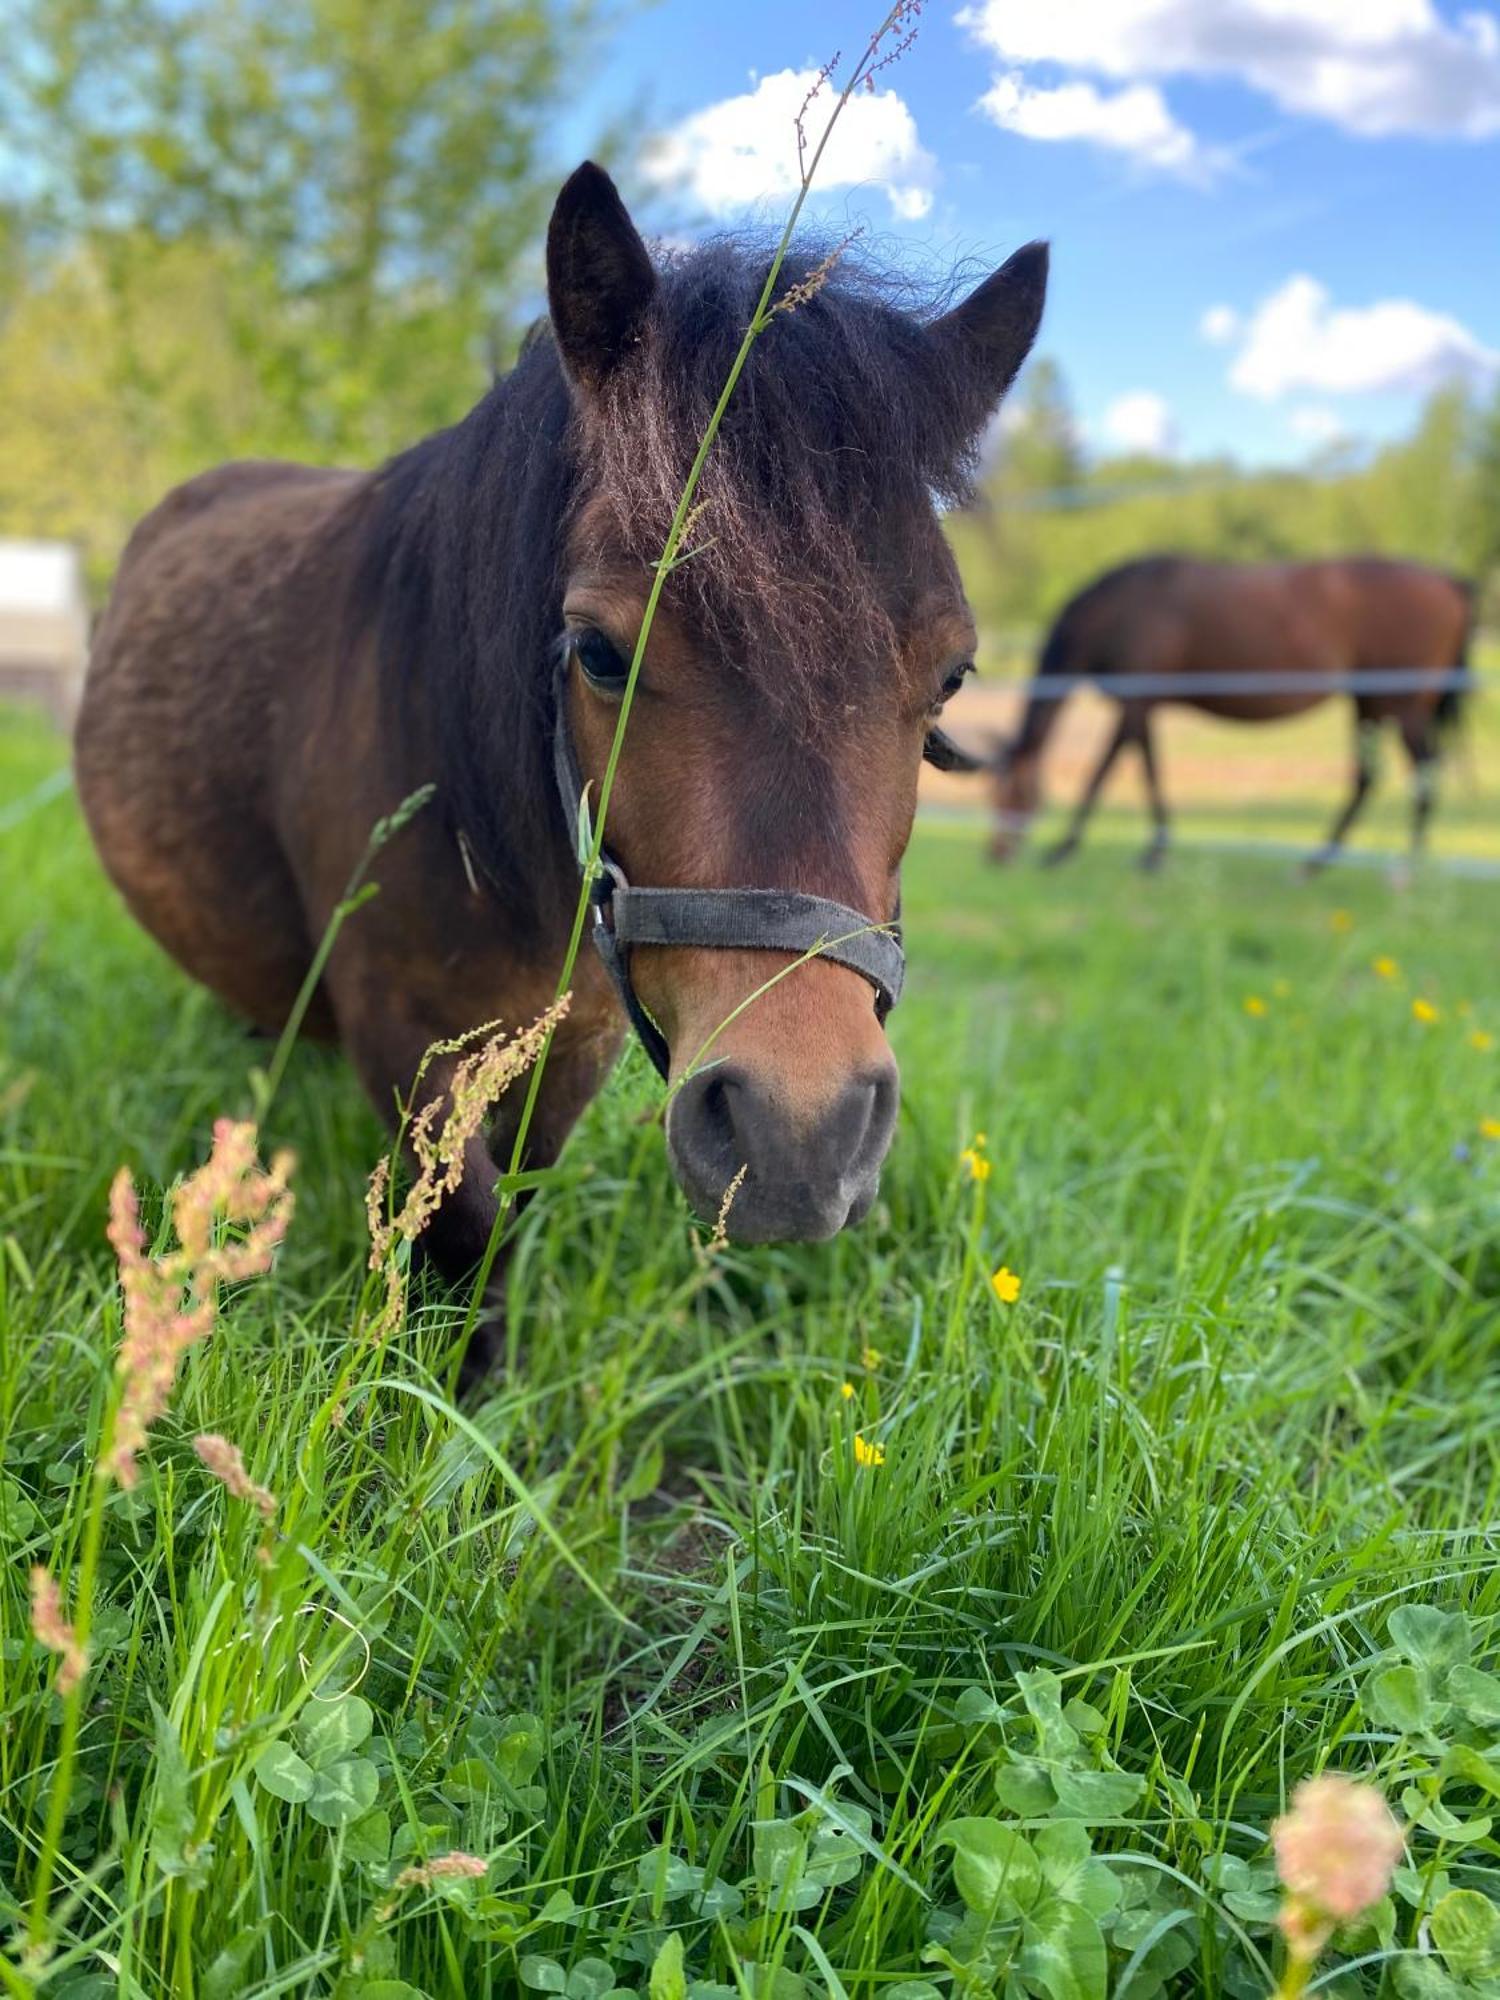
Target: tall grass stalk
760	320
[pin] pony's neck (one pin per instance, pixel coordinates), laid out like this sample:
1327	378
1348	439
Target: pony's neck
462	569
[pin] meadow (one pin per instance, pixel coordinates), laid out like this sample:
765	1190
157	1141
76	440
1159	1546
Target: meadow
788	1621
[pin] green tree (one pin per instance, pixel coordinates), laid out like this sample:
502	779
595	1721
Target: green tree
368	177
1039	449
1417	490
1482	540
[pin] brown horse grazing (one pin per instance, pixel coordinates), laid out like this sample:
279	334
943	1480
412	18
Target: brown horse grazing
290	652
1170	615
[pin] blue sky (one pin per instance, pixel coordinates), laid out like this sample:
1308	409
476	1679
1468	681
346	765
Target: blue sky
1317	178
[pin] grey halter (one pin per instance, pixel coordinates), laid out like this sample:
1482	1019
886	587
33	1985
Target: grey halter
716	919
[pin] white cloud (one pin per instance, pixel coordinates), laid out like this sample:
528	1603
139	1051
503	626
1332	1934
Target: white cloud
1316	424
1219	325
744	149
1134	121
1298	339
1141	421
1371	67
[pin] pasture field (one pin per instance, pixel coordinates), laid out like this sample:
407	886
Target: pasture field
1003	1701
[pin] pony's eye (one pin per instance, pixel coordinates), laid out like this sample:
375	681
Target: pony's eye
955	681
604	665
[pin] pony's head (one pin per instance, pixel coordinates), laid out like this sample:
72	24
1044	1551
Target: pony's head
1015	795
801	654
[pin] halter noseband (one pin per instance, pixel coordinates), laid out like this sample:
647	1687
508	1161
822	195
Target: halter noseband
715	919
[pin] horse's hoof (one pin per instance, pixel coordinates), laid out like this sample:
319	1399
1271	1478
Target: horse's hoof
1051	857
1150	862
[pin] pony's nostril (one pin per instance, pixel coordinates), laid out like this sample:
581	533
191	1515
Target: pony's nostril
704	1128
716	1114
805	1177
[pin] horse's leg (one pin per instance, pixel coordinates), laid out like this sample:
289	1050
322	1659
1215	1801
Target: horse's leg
1155	853
1084	809
1366	748
1421	747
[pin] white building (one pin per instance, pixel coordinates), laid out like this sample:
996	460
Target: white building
44	625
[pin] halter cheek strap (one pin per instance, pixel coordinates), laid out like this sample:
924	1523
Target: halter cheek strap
712	919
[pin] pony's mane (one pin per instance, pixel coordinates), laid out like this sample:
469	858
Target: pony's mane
848	421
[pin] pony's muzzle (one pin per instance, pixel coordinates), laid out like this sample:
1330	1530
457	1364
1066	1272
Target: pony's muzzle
804	1178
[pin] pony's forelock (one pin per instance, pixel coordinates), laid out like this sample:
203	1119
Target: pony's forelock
848	422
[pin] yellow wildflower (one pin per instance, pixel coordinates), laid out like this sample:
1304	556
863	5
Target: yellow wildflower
1424	1011
866	1453
1254	1005
871	1357
1340	920
1281	988
1385	967
1489	1128
1006	1285
1481	1039
847	1392
974	1164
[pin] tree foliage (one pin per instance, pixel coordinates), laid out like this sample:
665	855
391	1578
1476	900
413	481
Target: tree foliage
262	225
1046	523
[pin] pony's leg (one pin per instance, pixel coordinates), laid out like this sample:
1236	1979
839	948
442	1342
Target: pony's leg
570	1080
1161	829
1366	750
1084	809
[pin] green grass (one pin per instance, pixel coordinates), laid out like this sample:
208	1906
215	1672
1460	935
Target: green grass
640	1612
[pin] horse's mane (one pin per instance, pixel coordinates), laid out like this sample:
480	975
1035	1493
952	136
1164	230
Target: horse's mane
847	419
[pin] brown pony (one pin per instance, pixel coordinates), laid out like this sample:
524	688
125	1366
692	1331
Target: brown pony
1170	615
290	652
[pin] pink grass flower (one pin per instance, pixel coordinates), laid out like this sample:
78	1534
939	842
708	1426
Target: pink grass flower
456	1866
172	1301
225	1461
54	1632
1336	1850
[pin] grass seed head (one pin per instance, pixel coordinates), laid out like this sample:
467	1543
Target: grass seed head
439	1137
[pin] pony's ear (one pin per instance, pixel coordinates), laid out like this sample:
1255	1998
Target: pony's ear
599	276
995	325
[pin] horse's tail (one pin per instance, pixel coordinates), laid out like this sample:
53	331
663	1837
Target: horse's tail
1452	702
